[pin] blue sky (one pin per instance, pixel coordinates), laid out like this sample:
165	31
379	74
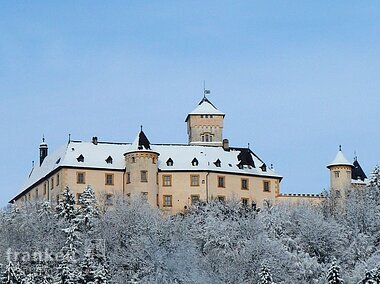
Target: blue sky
295	78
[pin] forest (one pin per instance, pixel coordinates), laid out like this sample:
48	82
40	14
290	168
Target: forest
337	241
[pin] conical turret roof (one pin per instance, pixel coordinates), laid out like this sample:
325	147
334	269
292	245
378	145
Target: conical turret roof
357	172
141	143
340	160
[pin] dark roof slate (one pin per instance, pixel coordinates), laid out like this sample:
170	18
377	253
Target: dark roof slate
357	172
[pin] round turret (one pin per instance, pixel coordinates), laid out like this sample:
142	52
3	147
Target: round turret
141	170
340	173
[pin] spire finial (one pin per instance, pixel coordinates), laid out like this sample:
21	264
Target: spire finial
43	138
141	128
205	92
340	147
248	145
69	137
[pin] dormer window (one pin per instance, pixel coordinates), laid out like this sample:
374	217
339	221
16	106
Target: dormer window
57	162
109	160
194	162
80	159
217	163
264	167
169	162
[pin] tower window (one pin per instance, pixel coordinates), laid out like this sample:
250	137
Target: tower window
109	160
195	162
133	160
128	177
210	115
336	174
144	176
57	180
80	159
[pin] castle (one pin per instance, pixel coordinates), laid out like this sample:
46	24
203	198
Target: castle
171	177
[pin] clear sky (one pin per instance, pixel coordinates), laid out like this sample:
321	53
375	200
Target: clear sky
295	78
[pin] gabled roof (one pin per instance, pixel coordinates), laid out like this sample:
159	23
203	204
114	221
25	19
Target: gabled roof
181	155
205	107
340	160
357	172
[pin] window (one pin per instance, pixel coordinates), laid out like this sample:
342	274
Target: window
57	180
109	199
52	183
154	161
210	115
221	199
167	180
194	180
348	174
218	163
221	181
109	179
133	160
81	178
168	201
194	199
144	196
169	162
336	173
266	185
80	159
244	183
57	198
78	197
37	193
244	202
45	188
195	162
109	160
128	177
144	176
264	167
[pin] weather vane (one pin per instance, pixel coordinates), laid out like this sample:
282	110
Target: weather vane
205	92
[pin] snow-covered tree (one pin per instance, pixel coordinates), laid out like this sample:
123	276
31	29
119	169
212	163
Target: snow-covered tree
88	210
265	277
12	274
369	278
66	207
333	274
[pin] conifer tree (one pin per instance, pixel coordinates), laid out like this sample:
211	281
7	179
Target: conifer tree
12	274
369	278
265	277
66	207
333	274
88	209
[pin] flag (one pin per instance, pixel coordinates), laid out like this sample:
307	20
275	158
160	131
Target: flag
207	92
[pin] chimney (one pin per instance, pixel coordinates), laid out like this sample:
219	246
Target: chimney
95	140
226	145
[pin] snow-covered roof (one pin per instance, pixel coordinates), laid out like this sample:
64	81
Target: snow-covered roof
205	107
79	154
340	160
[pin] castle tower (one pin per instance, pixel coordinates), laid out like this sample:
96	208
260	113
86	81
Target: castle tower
142	170
340	173
43	151
205	124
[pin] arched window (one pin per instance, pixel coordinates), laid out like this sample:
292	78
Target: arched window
195	162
